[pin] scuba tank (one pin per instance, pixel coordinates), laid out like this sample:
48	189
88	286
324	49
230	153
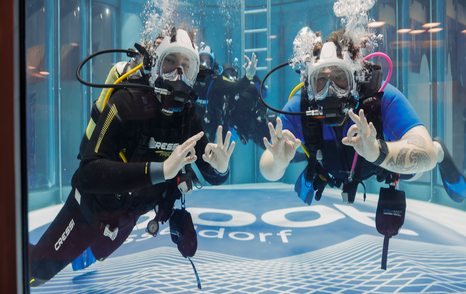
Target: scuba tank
132	75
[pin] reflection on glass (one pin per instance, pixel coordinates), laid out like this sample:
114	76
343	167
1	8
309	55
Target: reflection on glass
39	115
250	234
72	98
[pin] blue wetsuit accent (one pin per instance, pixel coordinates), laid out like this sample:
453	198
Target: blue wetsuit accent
84	260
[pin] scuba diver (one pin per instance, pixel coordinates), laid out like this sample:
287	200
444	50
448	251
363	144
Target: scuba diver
213	88
137	159
352	127
208	68
122	68
243	111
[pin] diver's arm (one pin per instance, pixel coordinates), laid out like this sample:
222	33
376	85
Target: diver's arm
109	176
413	153
101	170
250	66
278	153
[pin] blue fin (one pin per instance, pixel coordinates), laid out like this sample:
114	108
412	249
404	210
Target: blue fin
453	180
84	260
456	191
304	188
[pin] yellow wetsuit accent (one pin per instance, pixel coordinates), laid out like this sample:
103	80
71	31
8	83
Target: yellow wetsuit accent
108	120
122	156
305	150
113	77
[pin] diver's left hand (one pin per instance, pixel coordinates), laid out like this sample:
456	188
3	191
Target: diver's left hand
362	136
218	155
250	66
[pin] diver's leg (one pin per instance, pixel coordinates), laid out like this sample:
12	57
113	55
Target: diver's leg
67	236
112	234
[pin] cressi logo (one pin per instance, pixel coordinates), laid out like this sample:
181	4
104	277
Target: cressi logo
165	146
64	235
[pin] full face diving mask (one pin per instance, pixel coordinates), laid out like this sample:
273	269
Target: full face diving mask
206	62
330	86
175	71
334	83
178	93
178	86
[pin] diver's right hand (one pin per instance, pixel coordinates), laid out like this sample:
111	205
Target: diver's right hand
284	144
250	66
183	154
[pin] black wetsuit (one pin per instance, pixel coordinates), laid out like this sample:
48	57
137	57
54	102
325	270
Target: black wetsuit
214	91
247	115
108	195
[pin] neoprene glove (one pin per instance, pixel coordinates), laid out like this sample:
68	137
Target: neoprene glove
250	66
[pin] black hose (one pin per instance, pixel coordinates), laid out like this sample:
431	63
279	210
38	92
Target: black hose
261	98
130	53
